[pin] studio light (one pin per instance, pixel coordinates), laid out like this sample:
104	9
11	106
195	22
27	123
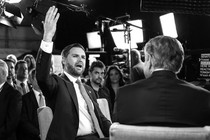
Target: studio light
6	20
136	34
13	1
168	25
94	40
10	15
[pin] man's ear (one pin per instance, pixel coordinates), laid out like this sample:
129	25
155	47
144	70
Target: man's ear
148	60
150	63
63	62
147	57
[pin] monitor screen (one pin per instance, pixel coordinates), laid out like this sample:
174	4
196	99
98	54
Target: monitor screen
204	66
94	40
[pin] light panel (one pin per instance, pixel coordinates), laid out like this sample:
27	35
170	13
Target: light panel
121	37
13	1
168	25
94	40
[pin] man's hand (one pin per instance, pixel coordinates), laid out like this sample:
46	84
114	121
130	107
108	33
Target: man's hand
50	23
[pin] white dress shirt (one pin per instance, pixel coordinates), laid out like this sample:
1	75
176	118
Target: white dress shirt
37	95
26	85
1	86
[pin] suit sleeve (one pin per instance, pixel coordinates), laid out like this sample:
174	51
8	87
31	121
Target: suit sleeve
45	80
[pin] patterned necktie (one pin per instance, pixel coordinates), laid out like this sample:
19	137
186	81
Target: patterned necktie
41	100
90	108
23	86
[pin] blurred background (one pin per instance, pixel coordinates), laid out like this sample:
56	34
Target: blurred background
83	20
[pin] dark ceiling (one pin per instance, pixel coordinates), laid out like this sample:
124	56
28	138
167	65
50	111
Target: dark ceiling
193	28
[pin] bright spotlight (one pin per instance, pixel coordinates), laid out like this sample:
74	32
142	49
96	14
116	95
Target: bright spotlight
168	25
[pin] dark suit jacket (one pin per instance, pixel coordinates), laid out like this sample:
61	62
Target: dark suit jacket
63	102
28	128
163	99
10	109
137	73
103	92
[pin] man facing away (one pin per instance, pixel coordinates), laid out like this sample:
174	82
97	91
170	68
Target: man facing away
76	114
162	99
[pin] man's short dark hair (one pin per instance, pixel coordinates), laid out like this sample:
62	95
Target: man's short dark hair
19	62
66	50
97	64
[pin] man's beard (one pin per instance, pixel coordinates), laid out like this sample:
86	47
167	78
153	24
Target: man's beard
97	81
71	70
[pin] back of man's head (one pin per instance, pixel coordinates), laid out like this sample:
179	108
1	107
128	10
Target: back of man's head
165	53
135	57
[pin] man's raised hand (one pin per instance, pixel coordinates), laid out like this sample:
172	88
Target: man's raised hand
50	23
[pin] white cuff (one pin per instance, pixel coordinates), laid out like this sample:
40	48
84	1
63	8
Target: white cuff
47	46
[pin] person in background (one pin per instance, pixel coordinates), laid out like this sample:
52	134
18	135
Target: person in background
28	128
10	106
137	72
31	62
12	57
162	99
21	71
76	114
11	72
96	79
113	80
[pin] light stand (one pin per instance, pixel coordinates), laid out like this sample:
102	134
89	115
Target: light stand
127	36
74	8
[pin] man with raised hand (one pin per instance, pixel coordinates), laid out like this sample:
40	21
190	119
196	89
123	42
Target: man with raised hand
76	115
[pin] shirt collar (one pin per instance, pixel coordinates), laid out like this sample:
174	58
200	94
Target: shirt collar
158	69
18	82
1	85
71	78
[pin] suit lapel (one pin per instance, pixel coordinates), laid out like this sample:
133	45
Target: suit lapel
4	87
33	98
71	91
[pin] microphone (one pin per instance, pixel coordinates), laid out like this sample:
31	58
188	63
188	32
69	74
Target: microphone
126	16
105	18
118	30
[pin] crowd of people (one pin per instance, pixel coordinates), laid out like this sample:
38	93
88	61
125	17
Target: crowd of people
154	95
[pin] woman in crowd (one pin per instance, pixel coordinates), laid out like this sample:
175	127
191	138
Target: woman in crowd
31	62
113	80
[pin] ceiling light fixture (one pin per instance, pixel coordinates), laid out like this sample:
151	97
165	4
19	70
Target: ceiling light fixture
6	20
10	15
13	1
